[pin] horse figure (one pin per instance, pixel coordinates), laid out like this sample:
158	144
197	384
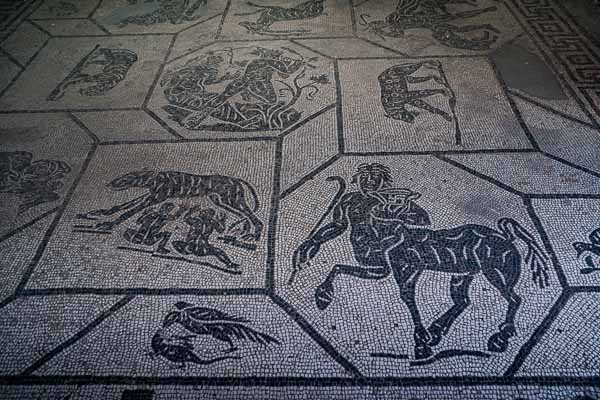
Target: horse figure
433	15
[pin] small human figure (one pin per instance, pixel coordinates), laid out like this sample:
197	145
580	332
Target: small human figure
203	222
151	223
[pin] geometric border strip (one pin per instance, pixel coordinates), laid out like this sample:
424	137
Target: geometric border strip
565	46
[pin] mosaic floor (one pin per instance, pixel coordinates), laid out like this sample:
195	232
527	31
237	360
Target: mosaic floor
298	199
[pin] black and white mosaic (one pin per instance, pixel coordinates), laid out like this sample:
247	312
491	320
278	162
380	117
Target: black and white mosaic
299	199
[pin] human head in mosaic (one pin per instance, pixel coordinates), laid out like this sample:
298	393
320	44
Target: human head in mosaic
372	177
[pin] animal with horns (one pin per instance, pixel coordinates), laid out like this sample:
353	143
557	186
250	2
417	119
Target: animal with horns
388	237
434	16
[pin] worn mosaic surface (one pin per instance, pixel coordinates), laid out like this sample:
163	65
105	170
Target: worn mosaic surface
298	199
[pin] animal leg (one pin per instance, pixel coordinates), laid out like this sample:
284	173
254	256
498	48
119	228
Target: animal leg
92	215
148	202
425	106
459	290
224	338
222	256
504	279
244	211
324	293
407	278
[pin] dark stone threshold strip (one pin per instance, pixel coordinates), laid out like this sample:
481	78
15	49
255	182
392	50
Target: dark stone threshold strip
285	381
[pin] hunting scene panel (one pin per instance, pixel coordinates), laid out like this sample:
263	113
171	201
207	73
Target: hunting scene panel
239	90
392	233
265	19
435	28
165	224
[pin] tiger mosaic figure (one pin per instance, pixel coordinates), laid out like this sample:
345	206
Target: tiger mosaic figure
226	192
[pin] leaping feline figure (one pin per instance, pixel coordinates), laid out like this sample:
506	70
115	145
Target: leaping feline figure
271	14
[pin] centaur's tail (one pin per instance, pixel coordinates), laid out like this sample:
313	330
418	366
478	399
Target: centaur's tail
536	258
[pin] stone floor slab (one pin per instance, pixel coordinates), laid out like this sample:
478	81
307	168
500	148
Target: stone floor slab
135	61
26	341
531	173
172	242
575	322
265	342
42	156
437	107
363	313
273	199
567	222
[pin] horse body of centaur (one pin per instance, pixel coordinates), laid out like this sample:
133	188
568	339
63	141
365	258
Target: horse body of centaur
387	237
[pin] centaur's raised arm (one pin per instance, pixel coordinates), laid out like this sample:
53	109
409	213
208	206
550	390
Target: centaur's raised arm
336	227
311	246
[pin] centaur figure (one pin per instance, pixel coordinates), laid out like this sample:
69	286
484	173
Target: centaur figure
379	217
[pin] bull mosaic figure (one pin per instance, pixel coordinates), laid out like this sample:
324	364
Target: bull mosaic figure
387	236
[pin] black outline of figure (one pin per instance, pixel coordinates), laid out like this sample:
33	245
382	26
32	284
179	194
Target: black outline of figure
225	192
383	243
433	15
203	222
114	63
151	224
34	182
272	14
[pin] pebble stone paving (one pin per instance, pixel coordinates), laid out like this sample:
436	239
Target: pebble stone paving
232	199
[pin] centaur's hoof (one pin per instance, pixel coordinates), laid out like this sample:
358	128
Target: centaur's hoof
498	343
422	352
324	296
436	333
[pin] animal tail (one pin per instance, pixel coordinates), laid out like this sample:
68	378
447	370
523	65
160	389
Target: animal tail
243	332
536	257
254	195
